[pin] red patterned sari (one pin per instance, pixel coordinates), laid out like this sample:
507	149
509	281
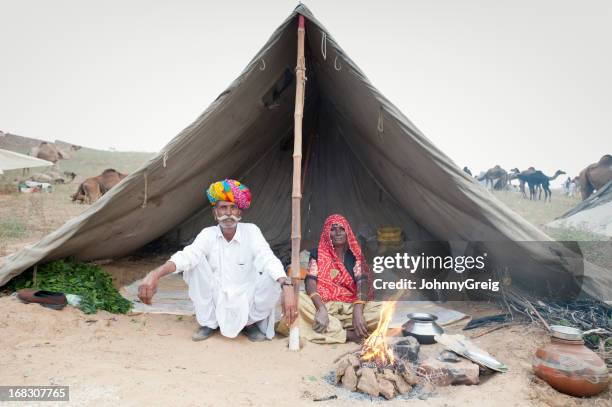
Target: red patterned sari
334	282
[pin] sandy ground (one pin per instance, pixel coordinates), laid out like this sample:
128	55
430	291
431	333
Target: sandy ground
34	215
143	359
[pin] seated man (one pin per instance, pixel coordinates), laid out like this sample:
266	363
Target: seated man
234	278
335	307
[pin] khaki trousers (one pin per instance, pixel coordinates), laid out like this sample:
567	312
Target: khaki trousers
340	319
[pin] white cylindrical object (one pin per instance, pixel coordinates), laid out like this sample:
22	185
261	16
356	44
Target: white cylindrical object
294	338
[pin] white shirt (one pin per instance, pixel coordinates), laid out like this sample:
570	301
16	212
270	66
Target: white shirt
226	280
233	263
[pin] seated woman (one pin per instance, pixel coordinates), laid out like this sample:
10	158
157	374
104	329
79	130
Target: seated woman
334	308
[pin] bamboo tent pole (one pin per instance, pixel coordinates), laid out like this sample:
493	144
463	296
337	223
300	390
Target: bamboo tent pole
296	195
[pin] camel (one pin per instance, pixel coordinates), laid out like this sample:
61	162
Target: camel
595	176
522	177
47	151
109	179
538	185
536	179
67	153
52	152
531	177
93	188
88	192
497	176
557	173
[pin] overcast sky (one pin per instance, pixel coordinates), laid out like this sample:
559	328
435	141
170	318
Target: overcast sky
515	83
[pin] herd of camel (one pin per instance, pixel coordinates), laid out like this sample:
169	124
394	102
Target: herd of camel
590	179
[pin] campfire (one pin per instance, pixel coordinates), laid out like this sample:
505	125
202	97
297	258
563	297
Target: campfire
374	369
375	348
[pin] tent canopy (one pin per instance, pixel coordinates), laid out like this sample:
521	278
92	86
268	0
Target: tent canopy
362	158
10	160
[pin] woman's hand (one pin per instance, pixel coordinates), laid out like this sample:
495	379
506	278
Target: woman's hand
321	320
359	324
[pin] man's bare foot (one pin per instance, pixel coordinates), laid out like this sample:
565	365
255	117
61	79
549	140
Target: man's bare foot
352	336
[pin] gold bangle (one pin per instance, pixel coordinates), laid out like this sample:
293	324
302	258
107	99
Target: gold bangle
313	294
359	302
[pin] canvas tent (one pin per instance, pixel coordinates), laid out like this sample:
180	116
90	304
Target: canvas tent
594	213
10	160
362	158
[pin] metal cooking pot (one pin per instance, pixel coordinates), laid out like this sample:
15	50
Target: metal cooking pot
422	326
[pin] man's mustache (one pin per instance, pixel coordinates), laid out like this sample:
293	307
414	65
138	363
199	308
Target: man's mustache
226	217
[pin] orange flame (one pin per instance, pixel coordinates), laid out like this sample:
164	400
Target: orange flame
375	346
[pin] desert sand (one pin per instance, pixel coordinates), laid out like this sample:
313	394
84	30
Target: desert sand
149	359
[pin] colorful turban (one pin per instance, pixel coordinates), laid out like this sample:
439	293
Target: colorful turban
231	191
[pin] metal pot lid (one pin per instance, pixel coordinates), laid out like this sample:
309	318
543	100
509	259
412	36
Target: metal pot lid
566	332
422	316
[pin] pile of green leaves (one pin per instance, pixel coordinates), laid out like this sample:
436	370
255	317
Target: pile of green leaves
90	282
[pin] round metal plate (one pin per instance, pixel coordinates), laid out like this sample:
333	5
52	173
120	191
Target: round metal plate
566	332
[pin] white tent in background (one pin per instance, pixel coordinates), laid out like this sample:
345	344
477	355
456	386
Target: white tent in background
10	160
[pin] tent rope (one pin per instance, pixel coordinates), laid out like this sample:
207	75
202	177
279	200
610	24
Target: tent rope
324	45
337	66
380	126
165	158
146	187
262	67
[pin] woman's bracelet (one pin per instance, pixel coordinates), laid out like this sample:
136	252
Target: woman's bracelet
313	294
359	302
